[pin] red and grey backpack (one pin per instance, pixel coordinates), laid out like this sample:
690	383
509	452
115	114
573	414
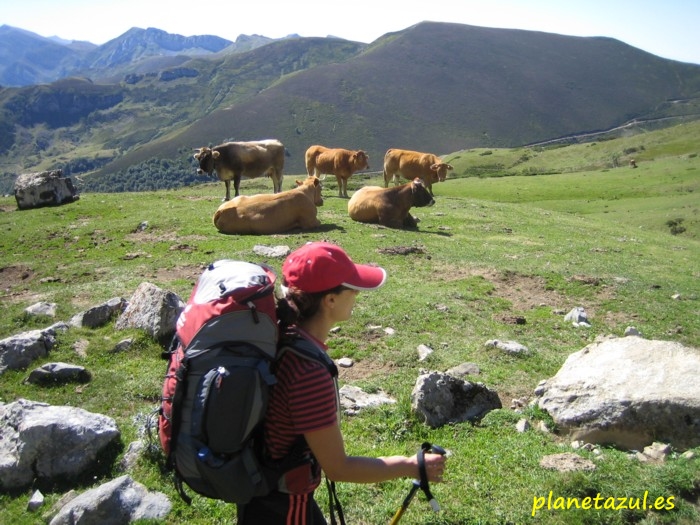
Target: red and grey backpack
218	382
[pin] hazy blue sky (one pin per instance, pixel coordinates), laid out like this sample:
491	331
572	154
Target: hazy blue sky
667	28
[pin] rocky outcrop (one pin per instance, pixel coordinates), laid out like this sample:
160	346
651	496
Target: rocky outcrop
153	310
47	188
18	351
438	399
119	502
44	442
628	392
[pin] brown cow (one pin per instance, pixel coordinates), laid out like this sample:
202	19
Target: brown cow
339	162
412	165
233	160
270	213
389	206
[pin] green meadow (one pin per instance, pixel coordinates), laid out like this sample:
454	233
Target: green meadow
519	234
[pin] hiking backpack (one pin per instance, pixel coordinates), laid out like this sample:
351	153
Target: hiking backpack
218	382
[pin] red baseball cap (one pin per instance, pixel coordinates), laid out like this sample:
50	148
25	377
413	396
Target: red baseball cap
321	266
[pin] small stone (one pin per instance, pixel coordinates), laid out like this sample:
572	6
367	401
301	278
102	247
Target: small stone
463	370
345	362
122	345
47	309
36	501
423	352
657	451
631	330
277	252
522	426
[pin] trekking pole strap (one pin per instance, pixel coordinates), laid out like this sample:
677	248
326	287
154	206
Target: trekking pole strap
333	503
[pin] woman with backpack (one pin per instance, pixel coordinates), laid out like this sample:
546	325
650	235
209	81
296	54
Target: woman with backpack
320	286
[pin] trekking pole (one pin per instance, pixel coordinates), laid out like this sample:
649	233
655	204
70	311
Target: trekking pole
420	484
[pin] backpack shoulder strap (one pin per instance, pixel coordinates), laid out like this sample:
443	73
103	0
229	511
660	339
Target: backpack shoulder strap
303	348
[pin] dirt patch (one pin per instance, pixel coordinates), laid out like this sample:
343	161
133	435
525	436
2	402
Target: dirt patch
160	236
525	292
11	275
12	278
187	273
401	250
522	291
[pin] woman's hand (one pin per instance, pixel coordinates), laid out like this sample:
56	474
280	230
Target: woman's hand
434	467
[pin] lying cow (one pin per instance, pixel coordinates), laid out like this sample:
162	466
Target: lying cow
412	165
339	162
270	213
233	160
389	206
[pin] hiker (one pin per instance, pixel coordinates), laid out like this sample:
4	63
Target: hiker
320	285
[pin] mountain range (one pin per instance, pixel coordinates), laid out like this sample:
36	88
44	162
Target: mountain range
126	115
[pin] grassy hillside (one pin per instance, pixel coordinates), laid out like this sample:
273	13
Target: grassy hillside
490	251
596	179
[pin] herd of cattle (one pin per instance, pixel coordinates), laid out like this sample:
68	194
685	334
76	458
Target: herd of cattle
297	208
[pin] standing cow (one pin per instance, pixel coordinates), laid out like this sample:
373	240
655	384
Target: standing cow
339	162
269	213
414	164
389	206
233	160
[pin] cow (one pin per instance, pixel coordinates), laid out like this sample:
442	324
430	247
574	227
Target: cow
269	213
233	160
412	165
389	206
339	162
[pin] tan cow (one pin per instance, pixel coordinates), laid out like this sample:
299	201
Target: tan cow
412	165
389	206
234	160
339	162
269	213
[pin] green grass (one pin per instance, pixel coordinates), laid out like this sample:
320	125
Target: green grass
488	251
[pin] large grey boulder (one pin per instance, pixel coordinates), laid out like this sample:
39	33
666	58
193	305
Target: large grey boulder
153	310
628	392
41	441
438	399
118	502
46	188
18	351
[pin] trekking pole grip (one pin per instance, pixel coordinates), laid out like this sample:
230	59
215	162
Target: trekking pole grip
424	483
